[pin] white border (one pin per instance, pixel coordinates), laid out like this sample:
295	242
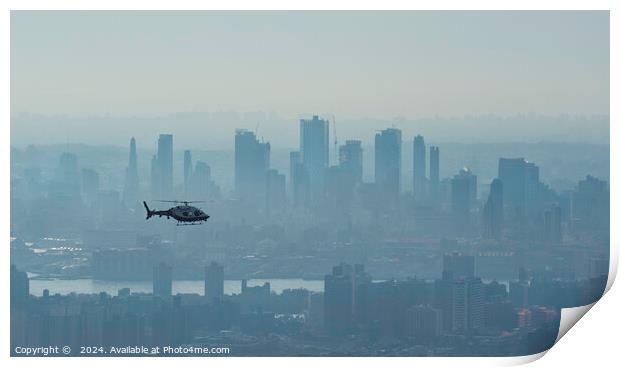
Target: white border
594	342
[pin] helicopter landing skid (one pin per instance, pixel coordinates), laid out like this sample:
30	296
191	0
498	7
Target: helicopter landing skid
188	224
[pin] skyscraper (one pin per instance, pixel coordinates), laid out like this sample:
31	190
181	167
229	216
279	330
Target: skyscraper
90	184
187	172
214	281
590	203
463	185
521	184
251	165
351	159
276	192
460	298
425	323
298	181
294	161
467	305
66	181
473	184
164	161
434	173
200	181
388	162
155	178
493	212
340	295
419	168
130	191
67	171
314	148
20	286
162	280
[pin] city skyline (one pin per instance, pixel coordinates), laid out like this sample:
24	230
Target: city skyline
365	172
192	128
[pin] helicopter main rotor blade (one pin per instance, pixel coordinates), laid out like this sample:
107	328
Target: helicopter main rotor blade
186	203
183	201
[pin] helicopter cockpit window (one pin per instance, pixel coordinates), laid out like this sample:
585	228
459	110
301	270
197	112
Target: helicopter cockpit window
197	213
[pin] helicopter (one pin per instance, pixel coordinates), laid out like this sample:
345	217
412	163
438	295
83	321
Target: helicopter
185	214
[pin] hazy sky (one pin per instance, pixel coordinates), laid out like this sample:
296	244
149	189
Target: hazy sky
353	64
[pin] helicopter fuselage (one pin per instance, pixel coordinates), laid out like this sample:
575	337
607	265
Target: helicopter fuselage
182	213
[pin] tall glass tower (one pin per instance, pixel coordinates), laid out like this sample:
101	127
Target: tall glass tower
314	147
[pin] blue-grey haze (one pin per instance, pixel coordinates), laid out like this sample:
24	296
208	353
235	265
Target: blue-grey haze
397	68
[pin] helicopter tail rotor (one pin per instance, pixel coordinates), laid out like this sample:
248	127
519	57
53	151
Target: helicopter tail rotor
149	212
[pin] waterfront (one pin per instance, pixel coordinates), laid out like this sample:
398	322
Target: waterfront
88	286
